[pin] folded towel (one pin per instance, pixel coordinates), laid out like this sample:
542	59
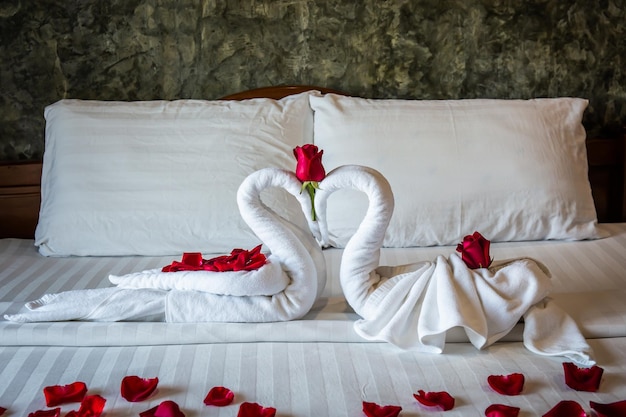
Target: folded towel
269	279
414	306
295	257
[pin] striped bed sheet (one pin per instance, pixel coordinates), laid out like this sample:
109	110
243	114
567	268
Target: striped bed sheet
316	366
589	279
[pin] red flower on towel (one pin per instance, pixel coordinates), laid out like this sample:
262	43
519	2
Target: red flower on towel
582	379
247	409
375	410
501	410
616	409
309	170
165	409
91	406
238	260
219	397
60	394
566	408
439	399
475	251
135	389
506	384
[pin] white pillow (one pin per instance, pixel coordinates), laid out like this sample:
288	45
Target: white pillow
161	177
510	169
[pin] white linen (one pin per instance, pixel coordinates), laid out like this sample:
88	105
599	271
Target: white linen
160	177
303	379
512	169
588	282
294	251
269	279
414	306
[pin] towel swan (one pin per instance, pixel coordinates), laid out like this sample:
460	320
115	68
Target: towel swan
413	306
294	250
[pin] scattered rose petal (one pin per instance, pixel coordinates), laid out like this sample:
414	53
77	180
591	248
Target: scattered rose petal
582	379
91	406
219	396
255	410
506	384
375	410
440	399
135	389
501	410
616	409
165	409
55	412
61	394
566	408
2	410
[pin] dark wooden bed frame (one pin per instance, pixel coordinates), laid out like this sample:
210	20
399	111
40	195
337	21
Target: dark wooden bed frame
20	181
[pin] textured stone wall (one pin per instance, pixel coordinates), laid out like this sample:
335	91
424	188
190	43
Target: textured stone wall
434	49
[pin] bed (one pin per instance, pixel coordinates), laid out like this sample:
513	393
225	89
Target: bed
316	364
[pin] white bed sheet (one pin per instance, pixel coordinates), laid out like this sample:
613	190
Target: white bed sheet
589	279
302	379
316	366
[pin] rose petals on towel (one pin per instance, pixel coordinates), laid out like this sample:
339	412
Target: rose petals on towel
60	394
616	409
2	410
247	409
507	384
375	410
501	410
439	399
566	408
582	379
219	397
165	409
135	389
238	260
91	406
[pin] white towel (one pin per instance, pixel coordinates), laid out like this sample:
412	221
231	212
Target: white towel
295	250
269	279
414	306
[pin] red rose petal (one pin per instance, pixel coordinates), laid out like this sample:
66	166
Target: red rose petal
440	399
60	394
566	408
165	409
219	397
135	389
582	379
501	410
507	384
255	410
2	410
55	412
616	409
375	410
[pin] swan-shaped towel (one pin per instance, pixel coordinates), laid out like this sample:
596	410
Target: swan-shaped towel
283	289
413	306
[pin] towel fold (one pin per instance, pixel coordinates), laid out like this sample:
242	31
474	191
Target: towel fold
415	310
267	280
283	289
414	306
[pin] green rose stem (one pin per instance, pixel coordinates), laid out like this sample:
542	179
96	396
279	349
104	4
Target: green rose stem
311	186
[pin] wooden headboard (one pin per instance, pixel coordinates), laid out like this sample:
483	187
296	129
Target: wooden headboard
20	181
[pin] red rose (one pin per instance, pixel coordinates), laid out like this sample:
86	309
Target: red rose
475	251
309	163
309	170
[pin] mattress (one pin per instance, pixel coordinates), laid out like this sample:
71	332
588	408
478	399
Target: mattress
589	282
314	366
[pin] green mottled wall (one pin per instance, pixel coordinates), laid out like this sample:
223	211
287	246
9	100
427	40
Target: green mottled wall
167	49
